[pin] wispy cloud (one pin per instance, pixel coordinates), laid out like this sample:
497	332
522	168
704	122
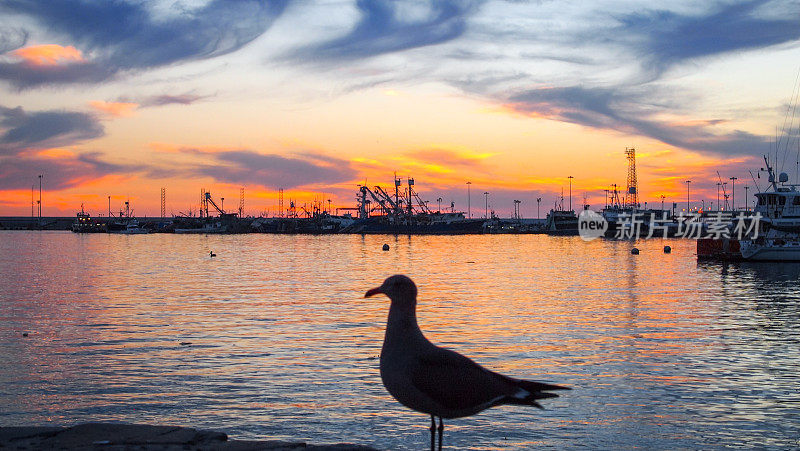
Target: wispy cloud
21	130
632	111
387	26
277	171
248	167
11	38
665	38
172	99
128	36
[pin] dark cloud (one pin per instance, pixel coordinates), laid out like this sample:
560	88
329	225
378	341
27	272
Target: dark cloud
123	35
24	75
59	173
381	30
12	38
42	129
275	171
167	99
667	38
630	111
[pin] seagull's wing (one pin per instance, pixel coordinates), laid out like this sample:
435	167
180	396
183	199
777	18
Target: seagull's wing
456	382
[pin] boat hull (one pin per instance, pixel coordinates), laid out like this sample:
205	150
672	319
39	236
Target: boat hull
788	252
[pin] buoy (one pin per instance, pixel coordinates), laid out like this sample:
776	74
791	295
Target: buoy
212	254
667	249
635	251
386	247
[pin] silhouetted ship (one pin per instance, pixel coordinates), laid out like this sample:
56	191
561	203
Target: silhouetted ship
406	213
85	224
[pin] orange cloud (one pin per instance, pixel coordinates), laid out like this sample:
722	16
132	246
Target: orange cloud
56	153
49	54
116	109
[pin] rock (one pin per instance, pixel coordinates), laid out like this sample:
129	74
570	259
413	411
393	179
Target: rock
119	436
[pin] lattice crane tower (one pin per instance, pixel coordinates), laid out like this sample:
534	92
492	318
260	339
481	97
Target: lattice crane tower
633	188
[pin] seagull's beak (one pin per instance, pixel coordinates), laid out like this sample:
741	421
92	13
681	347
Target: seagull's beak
373	292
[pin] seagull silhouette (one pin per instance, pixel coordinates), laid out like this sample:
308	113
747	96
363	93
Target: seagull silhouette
437	381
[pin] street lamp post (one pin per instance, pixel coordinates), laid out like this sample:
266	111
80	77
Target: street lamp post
39	208
469	202
733	191
538	201
746	206
687	196
486	212
570	192
440	204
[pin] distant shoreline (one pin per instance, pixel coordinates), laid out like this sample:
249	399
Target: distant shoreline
144	437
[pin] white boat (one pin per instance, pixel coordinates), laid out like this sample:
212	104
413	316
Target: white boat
210	228
132	228
778	237
775	246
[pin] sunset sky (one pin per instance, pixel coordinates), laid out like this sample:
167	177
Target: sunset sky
121	98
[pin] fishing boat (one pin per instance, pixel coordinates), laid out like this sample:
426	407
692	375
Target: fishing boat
132	228
561	222
85	224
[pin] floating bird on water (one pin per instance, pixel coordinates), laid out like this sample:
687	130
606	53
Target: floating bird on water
212	254
437	381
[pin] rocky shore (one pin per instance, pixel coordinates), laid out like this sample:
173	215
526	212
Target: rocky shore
131	437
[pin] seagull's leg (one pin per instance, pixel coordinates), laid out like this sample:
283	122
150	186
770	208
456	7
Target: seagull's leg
433	433
441	430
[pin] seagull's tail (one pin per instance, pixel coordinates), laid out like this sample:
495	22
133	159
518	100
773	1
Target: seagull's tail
530	391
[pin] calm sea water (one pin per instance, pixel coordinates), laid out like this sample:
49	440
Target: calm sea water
272	339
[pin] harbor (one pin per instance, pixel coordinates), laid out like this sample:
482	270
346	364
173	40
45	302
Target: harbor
768	232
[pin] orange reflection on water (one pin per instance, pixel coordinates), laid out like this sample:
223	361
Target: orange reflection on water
273	338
